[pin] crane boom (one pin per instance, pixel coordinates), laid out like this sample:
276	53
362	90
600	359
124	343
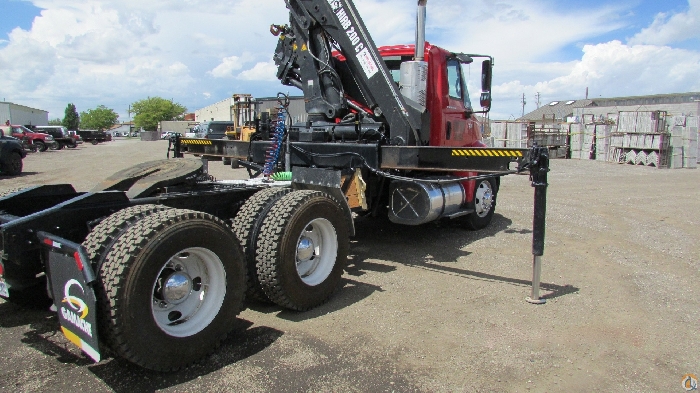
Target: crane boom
304	56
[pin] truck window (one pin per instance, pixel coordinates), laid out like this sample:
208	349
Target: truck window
457	84
454	80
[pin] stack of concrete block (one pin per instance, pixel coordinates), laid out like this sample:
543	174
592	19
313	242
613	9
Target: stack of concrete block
602	141
638	138
653	159
576	141
509	134
517	135
684	143
690	144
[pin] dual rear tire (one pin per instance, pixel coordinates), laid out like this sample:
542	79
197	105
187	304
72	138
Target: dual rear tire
170	284
296	245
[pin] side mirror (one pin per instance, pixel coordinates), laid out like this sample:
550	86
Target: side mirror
486	75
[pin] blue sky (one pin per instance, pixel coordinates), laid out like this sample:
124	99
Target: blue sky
197	52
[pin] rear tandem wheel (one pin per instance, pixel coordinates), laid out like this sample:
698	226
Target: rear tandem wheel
302	249
246	225
171	286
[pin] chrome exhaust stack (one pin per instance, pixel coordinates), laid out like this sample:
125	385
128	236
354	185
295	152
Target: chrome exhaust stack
420	30
414	74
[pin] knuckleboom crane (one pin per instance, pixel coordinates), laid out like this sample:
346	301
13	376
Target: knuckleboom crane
391	132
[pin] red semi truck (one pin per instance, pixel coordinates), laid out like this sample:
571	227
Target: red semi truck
155	262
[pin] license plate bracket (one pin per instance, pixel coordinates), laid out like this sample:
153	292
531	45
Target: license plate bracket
4	292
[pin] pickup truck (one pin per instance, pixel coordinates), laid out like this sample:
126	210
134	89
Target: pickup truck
11	155
40	140
60	135
94	136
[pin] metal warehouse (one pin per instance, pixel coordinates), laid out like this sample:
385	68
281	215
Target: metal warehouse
20	114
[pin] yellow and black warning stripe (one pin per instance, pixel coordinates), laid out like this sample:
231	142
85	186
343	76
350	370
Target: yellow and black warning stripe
195	142
486	153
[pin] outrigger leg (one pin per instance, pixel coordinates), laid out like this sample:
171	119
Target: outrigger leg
539	166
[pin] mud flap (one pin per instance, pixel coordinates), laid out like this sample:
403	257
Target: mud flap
70	278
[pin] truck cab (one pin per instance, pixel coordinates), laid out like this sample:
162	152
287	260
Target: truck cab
452	122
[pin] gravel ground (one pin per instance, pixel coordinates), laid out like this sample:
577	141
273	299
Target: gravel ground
435	307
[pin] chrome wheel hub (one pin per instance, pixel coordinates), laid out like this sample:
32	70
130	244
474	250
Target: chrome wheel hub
483	200
317	249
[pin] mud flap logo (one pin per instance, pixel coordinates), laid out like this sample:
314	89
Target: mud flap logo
690	382
77	310
75	301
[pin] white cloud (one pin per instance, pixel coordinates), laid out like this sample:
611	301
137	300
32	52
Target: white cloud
227	67
668	29
260	72
610	69
114	52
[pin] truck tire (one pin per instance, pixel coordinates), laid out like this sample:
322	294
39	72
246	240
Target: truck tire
14	165
246	226
71	145
103	236
55	146
483	203
40	145
171	287
94	141
302	249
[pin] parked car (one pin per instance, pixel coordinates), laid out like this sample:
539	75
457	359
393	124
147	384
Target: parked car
40	140
169	134
217	129
11	155
94	136
75	136
60	135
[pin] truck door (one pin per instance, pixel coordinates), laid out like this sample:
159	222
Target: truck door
459	129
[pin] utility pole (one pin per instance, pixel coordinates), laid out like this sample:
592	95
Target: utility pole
129	112
537	99
523	102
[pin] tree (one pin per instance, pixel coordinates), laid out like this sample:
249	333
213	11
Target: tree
56	122
71	120
100	118
152	110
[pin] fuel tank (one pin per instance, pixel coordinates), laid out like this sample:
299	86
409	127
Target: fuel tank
416	203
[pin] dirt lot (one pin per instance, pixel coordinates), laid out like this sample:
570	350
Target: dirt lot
438	308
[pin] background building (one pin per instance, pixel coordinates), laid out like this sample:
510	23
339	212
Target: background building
224	110
20	114
677	104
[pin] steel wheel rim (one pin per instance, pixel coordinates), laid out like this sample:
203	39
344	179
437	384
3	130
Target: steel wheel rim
483	198
188	292
316	251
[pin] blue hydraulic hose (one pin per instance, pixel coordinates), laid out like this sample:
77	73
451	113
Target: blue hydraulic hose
273	153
